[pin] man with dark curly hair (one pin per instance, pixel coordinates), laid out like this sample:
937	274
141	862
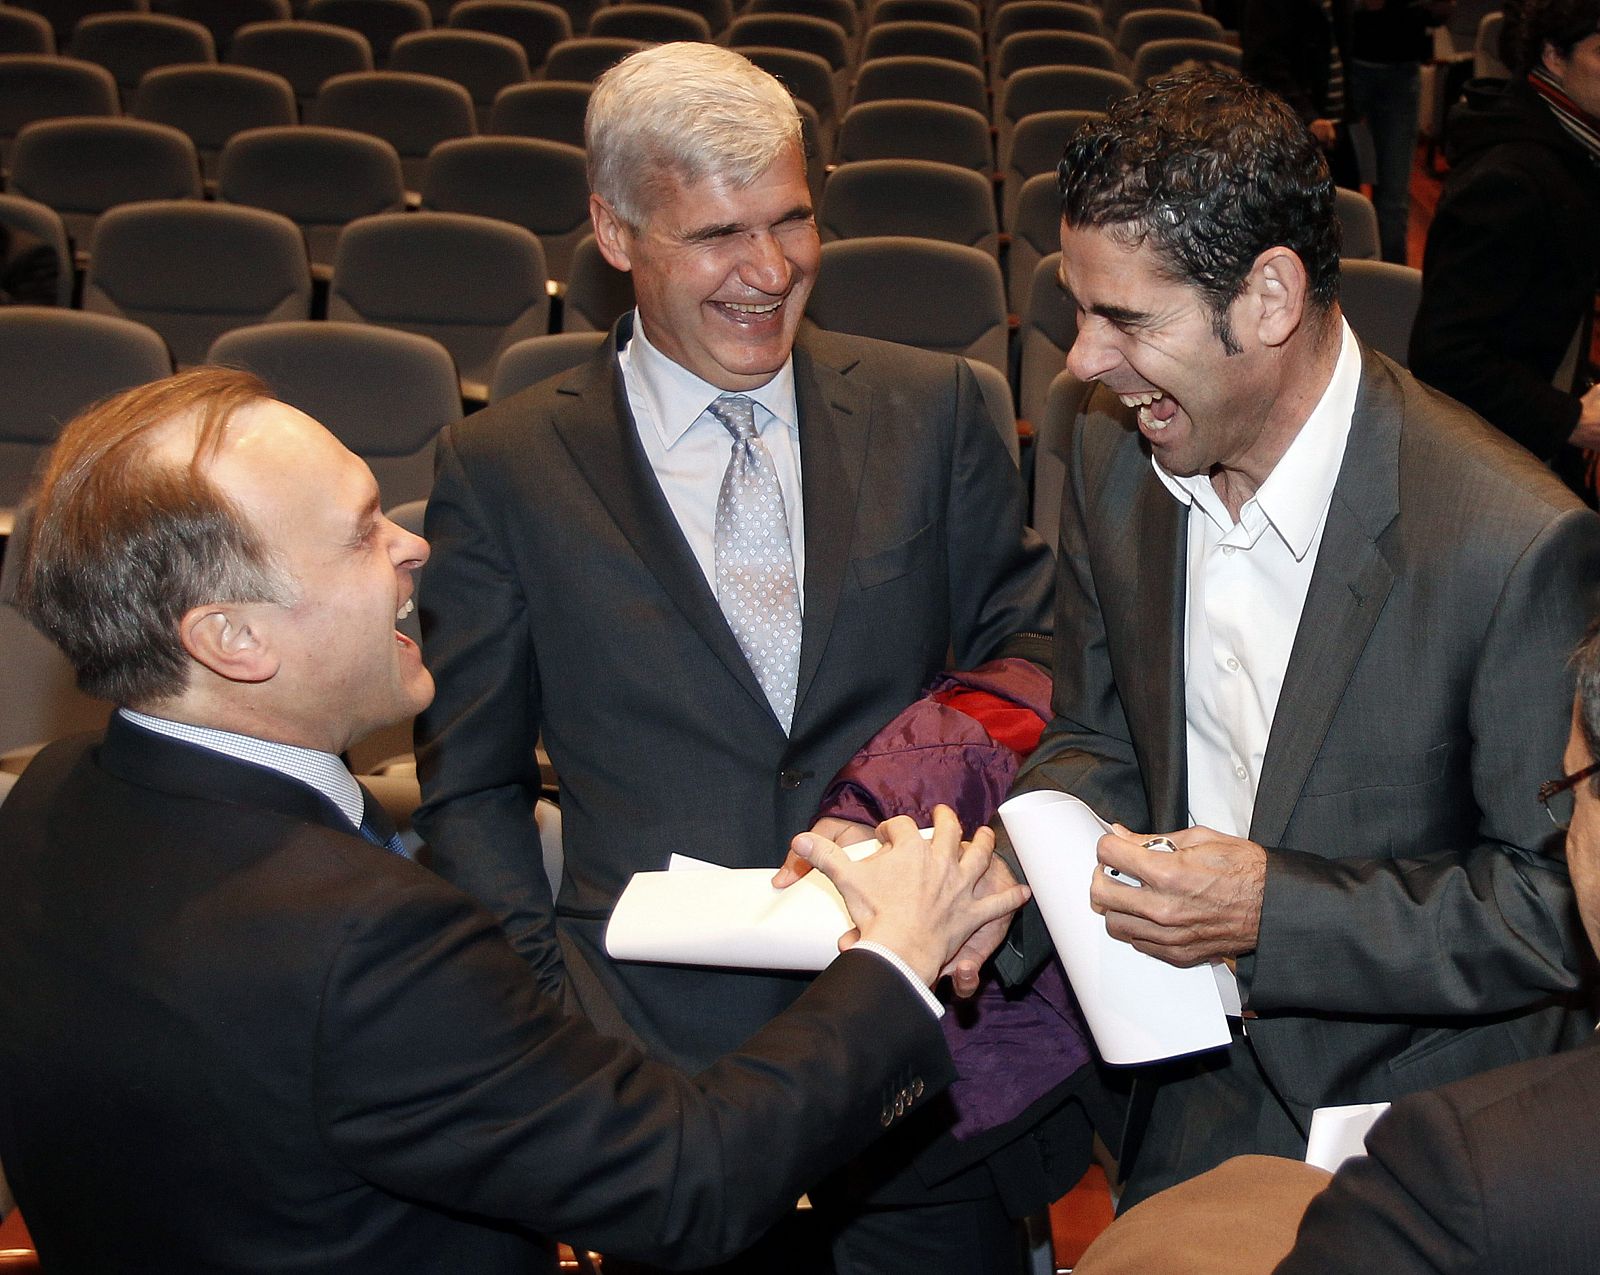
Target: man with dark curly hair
1311	629
1513	260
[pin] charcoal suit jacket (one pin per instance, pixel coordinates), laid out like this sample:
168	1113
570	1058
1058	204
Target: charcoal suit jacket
237	1037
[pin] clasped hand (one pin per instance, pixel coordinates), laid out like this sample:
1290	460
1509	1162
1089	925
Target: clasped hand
1199	903
941	905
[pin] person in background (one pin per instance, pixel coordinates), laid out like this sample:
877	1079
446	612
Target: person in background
1513	260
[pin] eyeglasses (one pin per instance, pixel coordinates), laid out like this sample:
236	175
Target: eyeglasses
1556	795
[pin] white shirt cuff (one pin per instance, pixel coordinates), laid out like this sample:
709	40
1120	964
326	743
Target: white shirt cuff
906	972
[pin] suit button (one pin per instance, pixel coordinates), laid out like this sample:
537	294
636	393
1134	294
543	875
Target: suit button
886	1117
789	780
917	1087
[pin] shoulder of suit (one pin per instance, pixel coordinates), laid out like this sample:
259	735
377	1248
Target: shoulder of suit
1559	1083
867	355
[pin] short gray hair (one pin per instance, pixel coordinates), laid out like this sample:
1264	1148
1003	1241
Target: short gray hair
684	111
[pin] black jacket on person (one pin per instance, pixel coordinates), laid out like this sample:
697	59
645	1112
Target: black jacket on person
1511	267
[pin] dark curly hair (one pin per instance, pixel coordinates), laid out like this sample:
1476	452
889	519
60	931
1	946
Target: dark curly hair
1211	170
1532	24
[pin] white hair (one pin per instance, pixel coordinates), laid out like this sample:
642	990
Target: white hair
688	112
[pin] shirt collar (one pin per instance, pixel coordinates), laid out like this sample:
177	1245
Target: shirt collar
320	771
1295	496
678	398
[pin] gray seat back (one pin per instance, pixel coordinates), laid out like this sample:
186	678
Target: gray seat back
915	197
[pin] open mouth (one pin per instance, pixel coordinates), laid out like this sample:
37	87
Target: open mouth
406	609
1156	410
749	311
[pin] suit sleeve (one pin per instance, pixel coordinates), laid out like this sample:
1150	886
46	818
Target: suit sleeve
442	1074
1494	926
1087	748
1412	1206
999	568
1476	285
476	743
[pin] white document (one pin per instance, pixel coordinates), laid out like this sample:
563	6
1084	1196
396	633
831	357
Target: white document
1139	1009
1340	1133
699	913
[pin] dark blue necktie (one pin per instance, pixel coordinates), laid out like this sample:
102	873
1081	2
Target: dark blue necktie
377	827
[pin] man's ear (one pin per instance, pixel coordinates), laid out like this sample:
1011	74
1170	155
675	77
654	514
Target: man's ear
231	640
1278	287
611	233
1554	61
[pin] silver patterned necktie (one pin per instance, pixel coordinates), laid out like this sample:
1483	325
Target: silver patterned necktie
754	560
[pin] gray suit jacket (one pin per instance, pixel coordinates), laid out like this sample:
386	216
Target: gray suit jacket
563	599
1418	923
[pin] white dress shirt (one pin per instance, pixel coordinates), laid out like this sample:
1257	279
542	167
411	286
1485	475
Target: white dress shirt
688	448
1247	583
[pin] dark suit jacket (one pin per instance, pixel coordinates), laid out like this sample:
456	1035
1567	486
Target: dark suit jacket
562	598
1418	924
1496	1173
238	1037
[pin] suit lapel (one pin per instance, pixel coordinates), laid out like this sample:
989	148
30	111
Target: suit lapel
835	426
1156	706
597	427
1349	586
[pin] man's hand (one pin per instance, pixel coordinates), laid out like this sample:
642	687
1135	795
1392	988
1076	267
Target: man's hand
842	832
1326	132
926	901
964	968
1197	904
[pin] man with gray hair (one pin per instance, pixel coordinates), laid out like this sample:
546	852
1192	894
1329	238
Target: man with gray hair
678	565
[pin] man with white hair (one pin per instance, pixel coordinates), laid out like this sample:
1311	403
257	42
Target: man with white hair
675	565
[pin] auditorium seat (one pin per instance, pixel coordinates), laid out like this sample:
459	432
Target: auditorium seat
551	109
473	284
910	197
1037	144
385	394
1054	88
538	358
717	13
307	54
841	12
582	59
481	63
533	24
413	113
212	103
1380	300
1143	25
381	21
23	31
828	40
651	23
1113	11
35	86
921	79
953	13
1027	49
900	129
1035	230
1358	225
923	40
223	18
64	15
805	75
1162	57
54	363
597	293
1049	327
28	220
129	44
193	270
321	179
81	167
939	296
540	185
1043	15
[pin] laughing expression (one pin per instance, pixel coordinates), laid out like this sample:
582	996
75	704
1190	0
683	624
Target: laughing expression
722	272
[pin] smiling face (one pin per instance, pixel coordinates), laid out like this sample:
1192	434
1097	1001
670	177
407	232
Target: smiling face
721	272
1151	341
342	669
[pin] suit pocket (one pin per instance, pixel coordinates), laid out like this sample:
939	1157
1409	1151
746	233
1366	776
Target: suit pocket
1451	1053
1350	772
898	560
